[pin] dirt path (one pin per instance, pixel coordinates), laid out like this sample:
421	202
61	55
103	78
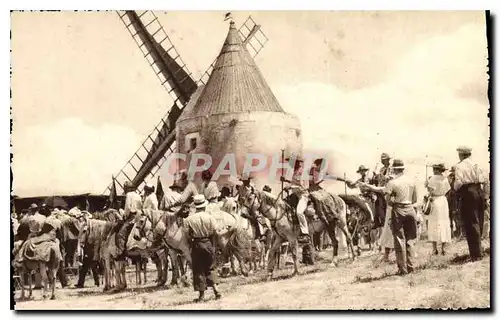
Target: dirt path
439	282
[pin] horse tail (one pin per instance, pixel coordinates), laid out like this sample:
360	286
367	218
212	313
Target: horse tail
239	243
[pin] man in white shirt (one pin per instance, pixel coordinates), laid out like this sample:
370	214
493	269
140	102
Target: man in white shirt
401	193
133	206
469	181
150	200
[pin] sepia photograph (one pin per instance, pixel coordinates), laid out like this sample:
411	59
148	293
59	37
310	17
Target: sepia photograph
250	160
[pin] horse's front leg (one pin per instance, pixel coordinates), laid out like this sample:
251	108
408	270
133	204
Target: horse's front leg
183	268
232	260
107	271
275	247
330	228
243	268
292	246
343	227
175	267
45	284
22	274
52	273
30	284
138	272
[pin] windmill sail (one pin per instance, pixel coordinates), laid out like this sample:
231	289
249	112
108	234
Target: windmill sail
174	75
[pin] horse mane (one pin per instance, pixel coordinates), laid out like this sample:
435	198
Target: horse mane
98	229
271	200
106	214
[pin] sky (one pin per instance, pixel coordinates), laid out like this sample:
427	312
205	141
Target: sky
413	84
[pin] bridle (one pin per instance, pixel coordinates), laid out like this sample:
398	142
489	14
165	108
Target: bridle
263	213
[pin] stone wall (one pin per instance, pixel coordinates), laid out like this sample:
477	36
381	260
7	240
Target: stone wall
242	133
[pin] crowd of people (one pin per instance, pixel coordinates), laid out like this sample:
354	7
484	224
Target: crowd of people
464	192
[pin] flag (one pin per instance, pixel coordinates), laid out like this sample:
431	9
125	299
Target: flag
228	16
159	190
112	194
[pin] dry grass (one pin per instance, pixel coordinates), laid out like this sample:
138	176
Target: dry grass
438	283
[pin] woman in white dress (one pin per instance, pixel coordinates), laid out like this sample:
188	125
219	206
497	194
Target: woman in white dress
439	219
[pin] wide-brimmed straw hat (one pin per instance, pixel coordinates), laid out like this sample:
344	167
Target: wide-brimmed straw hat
200	201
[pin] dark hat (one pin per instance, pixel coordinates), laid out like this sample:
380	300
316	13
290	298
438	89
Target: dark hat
362	168
149	187
398	164
296	157
439	166
207	175
246	177
266	188
385	156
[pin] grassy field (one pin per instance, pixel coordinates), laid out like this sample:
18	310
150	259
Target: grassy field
449	281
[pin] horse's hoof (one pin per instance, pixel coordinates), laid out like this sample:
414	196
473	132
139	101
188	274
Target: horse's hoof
53	298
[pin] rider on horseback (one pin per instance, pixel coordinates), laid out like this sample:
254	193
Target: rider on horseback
260	223
299	189
133	206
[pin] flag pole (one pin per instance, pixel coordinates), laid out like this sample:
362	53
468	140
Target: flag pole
345	184
282	170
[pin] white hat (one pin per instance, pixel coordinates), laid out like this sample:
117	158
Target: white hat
200	201
75	212
464	149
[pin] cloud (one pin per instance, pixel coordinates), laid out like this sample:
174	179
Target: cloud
419	113
69	156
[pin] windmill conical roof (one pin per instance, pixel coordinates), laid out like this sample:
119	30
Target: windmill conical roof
235	84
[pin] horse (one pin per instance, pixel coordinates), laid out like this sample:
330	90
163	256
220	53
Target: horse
234	241
256	253
40	253
279	214
360	221
160	233
92	239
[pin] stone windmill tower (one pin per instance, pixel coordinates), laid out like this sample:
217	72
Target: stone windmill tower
237	113
230	109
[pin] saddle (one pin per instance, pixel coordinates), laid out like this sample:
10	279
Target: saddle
37	248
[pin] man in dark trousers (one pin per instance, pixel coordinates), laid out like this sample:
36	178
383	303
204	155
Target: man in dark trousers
402	197
202	230
469	181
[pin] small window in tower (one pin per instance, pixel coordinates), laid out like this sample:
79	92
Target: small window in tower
191	142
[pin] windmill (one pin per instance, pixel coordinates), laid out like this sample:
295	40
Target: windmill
173	74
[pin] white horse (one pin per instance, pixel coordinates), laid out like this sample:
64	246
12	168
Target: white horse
280	214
